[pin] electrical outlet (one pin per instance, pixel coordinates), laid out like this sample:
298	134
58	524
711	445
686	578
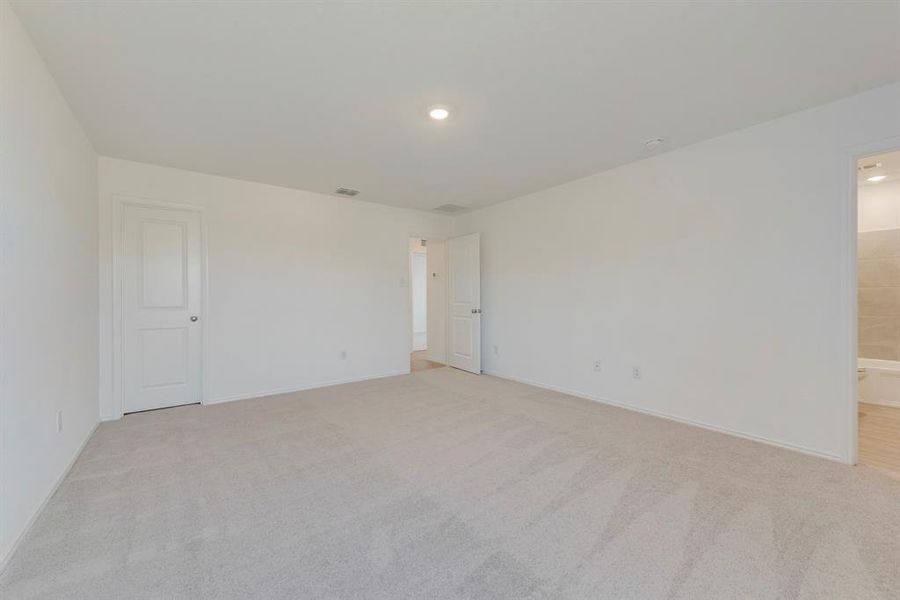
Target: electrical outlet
496	351
636	372
59	421
598	366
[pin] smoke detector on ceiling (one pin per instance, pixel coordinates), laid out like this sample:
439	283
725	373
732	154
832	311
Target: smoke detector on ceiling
346	191
654	144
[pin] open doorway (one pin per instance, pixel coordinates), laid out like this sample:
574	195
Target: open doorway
427	290
878	311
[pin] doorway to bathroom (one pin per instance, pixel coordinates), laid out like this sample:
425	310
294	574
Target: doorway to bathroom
427	301
878	311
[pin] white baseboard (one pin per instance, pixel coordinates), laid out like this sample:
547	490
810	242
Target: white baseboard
670	417
301	388
4	561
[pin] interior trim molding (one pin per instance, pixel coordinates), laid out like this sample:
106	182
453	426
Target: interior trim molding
677	419
312	386
849	287
4	561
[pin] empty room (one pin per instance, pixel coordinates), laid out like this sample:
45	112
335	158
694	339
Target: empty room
449	300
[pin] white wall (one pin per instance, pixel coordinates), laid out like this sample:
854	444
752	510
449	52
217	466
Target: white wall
437	301
879	206
48	273
294	278
418	281
716	268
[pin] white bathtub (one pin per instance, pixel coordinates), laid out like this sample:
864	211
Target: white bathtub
879	381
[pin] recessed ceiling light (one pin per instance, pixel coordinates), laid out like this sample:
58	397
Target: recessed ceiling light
877	178
653	144
438	113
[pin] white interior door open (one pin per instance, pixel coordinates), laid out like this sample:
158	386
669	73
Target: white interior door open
161	300
464	257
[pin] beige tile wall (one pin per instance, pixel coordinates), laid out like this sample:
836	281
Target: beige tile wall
879	294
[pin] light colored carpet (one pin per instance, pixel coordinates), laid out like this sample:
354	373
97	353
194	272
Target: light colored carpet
441	485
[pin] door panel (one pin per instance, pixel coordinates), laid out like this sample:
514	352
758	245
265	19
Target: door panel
462	337
465	302
163	356
161	294
163	264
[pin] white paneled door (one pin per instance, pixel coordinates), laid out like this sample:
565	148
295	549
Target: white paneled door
162	290
464	257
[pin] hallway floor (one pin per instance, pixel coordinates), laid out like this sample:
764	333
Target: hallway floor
418	362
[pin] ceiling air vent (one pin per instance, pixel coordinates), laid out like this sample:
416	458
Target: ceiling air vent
346	192
450	208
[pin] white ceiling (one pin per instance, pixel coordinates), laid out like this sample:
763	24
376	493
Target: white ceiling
317	95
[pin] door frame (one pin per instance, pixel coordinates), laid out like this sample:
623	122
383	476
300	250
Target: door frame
849	284
409	316
119	204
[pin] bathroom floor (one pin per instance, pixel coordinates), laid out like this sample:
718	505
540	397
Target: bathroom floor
879	437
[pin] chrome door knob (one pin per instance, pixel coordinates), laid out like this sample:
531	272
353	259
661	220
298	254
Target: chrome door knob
194	318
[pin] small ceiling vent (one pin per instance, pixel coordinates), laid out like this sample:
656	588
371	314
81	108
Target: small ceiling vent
450	208
346	192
